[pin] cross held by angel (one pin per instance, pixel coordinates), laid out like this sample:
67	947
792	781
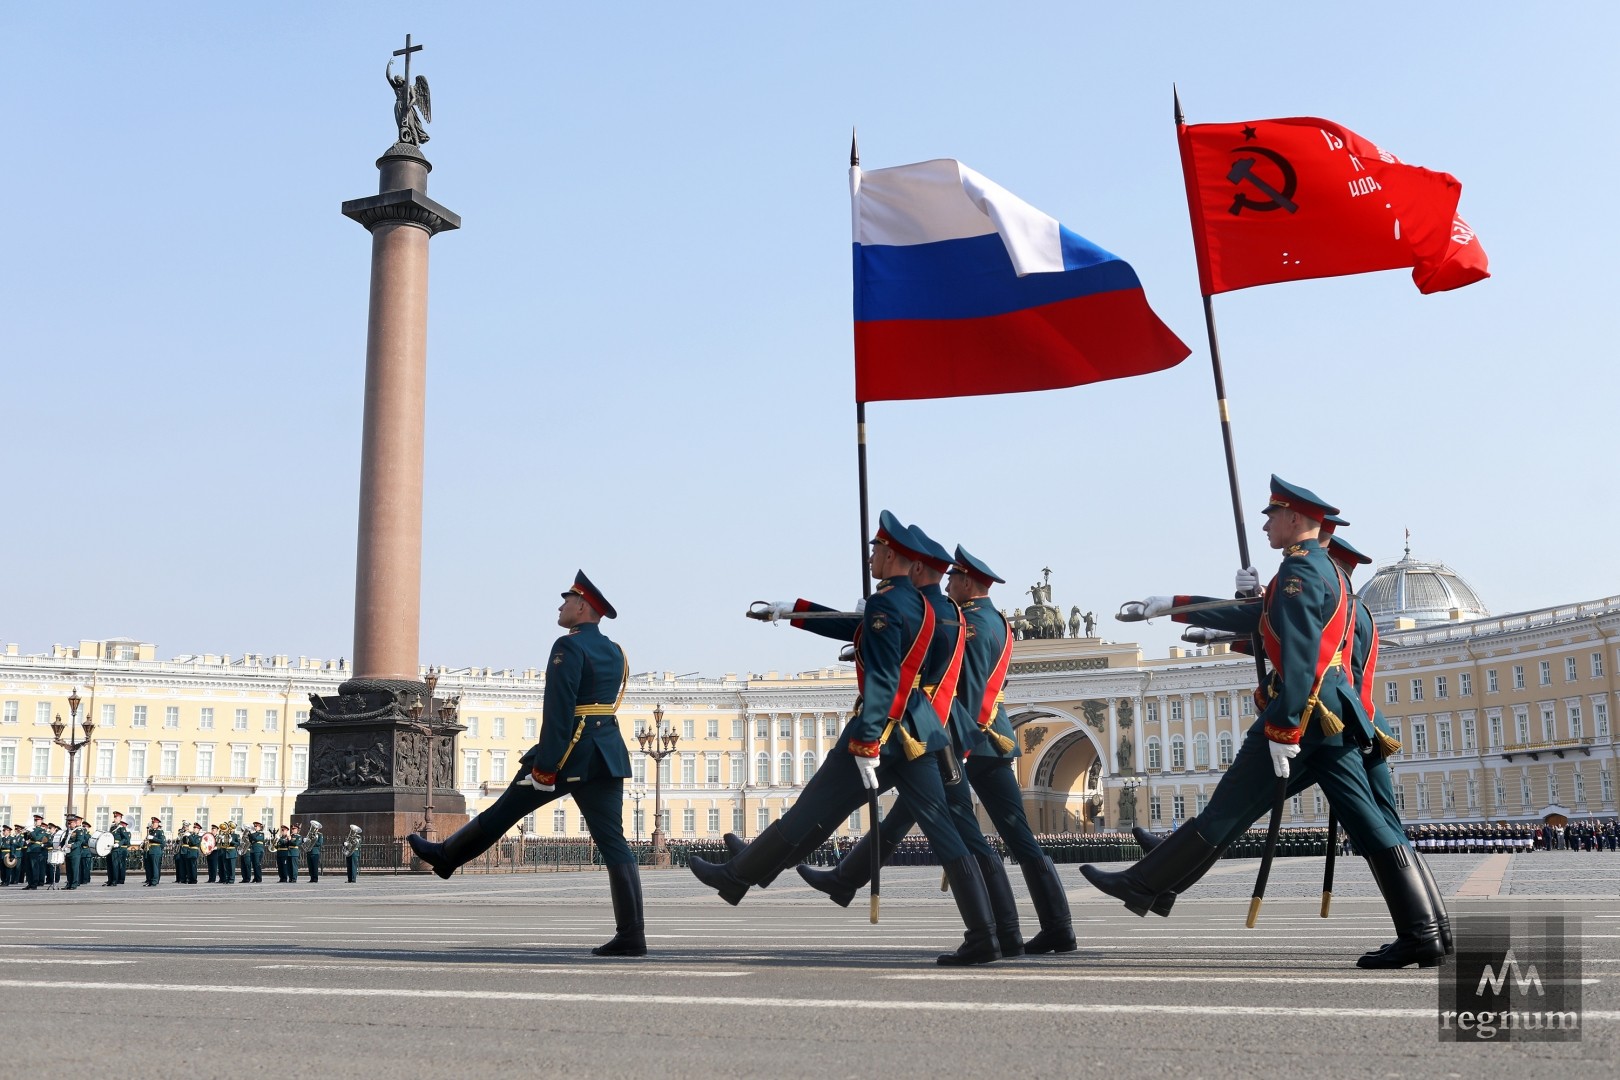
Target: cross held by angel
413	103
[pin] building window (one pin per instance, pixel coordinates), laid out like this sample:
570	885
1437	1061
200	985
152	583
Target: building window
714	815
109	715
1417	689
762	728
205	718
638	769
1469	735
300	764
1597	668
469	769
1156	808
165	818
689	730
8	760
1580	789
762	770
1473	794
169	761
1443	728
1423	794
1569	669
472	727
1178	753
1201	751
688	770
300	716
267	764
1546	672
1491	685
1150	712
1549	726
1226	748
711	769
1518	676
1552	787
1420	737
1223	707
739	774
666	769
830	728
42	714
1392	693
8	713
784	728
1600	715
104	762
1246	705
1524	791
1465	684
1395	728
784	769
713	729
137	763
1521	725
497	727
1175	709
1448	796
559	822
531	728
272	719
807	766
1577	729
205	761
103	818
497	764
241	720
1440	688
1607	784
1153	758
1495	723
689	821
1316	804
1178	806
1200	708
1501	793
762	818
855	822
1400	797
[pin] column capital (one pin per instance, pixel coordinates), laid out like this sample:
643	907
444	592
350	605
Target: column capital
405	205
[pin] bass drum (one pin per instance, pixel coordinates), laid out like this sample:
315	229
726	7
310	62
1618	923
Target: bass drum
104	844
208	843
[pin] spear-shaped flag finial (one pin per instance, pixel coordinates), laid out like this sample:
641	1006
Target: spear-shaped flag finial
1176	94
854	149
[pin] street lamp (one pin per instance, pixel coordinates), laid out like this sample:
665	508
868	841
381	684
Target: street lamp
428	731
68	744
658	744
636	795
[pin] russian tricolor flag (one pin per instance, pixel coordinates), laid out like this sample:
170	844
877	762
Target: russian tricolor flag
962	288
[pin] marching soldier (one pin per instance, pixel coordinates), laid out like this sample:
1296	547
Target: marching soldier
975	712
254	869
1309	711
154	851
312	857
581	753
354	854
888	742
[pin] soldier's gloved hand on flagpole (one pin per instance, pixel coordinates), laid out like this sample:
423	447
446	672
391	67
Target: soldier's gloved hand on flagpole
860	606
780	609
1248	582
867	767
1281	754
1203	635
1151	608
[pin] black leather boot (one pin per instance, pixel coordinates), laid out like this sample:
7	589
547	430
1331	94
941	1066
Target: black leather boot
733	879
461	846
806	848
1051	907
852	871
1439	903
1417	920
973	903
1009	937
1175	859
1166	900
629	929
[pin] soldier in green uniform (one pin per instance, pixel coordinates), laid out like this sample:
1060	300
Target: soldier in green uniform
36	840
1309	711
254	870
225	847
117	859
154	851
187	854
976	712
286	860
581	753
10	861
78	851
353	847
889	741
312	854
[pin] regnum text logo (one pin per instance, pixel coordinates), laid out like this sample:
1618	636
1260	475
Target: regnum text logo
1515	977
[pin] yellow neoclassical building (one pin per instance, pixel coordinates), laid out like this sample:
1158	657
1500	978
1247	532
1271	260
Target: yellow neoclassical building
1502	718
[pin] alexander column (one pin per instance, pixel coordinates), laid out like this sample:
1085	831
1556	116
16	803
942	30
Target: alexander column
368	758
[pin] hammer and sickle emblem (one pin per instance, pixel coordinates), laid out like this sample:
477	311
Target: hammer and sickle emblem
1243	170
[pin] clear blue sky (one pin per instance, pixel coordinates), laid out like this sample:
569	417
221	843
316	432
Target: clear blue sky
640	353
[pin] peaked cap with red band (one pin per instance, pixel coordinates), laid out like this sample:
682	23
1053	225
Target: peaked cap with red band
894	535
582	587
965	563
930	552
1286	496
1343	552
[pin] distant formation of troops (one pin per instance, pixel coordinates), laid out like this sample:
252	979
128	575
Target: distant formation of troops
48	855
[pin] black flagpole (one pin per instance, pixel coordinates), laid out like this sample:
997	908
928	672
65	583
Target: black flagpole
860	406
1243	543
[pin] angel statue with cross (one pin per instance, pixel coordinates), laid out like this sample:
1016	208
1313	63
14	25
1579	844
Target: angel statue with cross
413	104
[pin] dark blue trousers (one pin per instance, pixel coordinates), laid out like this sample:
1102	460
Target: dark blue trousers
601	800
836	791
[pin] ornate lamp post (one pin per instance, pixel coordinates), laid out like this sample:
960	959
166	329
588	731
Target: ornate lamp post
429	732
69	744
658	743
636	795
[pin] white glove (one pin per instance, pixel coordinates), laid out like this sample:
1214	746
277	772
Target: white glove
781	609
1203	635
1280	755
1151	608
537	785
860	606
867	767
1248	581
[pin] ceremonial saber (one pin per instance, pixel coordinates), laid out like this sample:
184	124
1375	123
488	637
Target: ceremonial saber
1203	605
763	614
1270	853
1332	852
877	850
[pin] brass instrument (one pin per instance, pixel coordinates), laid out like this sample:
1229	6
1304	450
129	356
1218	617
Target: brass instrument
306	842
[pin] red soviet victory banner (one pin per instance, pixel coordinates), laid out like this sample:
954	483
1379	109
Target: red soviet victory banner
1301	197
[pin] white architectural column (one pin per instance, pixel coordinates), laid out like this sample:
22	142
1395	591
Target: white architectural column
1112	764
1139	717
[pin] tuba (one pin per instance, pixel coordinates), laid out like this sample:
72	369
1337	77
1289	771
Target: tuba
306	842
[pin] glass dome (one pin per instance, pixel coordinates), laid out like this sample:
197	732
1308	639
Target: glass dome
1426	593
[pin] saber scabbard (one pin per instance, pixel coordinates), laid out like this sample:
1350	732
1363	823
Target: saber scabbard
1272	831
761	610
1182	609
877	851
1332	852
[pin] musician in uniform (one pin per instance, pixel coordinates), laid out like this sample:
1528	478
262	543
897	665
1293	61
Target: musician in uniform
286	860
313	845
1312	722
154	851
581	753
9	862
352	847
225	848
117	860
889	741
77	844
253	868
37	840
211	852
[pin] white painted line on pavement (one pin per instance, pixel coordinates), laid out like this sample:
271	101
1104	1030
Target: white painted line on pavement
518	969
1087	977
1230	1012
